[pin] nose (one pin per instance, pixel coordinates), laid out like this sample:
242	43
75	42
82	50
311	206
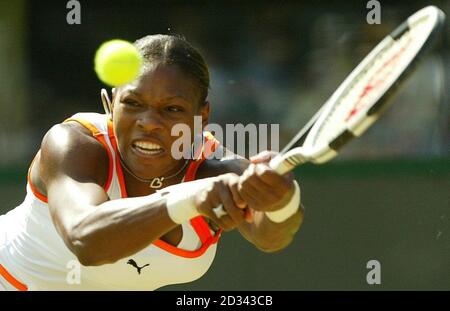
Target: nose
150	120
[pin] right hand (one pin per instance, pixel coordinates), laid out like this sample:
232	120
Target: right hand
222	190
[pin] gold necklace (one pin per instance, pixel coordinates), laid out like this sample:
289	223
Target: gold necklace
156	182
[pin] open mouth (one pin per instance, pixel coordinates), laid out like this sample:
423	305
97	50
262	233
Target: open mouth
148	148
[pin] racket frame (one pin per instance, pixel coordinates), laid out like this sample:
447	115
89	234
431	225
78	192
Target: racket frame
308	152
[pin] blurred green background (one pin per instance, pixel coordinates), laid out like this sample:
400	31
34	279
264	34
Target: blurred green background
385	198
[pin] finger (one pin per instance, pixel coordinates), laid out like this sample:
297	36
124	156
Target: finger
243	181
249	215
225	222
222	195
238	199
250	195
282	186
260	195
214	201
263	178
260	190
206	201
272	179
253	187
226	197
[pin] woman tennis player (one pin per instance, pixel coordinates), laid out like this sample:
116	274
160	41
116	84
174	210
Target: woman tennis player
108	207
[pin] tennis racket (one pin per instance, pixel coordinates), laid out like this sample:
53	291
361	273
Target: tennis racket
363	96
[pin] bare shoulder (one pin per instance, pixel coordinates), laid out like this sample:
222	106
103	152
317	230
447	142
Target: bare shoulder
232	163
70	149
71	136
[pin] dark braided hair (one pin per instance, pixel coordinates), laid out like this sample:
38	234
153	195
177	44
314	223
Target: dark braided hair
175	50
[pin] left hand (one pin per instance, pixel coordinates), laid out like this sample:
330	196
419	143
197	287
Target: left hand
262	188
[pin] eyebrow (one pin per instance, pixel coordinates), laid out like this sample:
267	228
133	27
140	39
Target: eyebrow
131	91
176	96
136	93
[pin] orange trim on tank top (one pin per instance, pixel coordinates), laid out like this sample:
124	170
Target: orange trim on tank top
199	224
12	280
211	143
119	171
184	253
201	228
97	135
36	193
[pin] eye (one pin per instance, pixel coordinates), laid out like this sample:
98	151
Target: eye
131	103
174	109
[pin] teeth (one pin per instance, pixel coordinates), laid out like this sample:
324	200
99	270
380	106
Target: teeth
149	152
148	146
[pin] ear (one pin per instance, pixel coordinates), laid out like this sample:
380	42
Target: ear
204	112
107	105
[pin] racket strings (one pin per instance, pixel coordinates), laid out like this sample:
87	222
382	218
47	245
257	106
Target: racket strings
358	101
377	76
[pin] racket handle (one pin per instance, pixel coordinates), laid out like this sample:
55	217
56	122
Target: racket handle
285	162
279	165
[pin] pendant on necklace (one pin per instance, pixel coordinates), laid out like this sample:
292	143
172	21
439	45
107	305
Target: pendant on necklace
156	182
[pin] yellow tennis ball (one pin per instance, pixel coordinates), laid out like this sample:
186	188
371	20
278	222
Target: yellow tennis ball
117	62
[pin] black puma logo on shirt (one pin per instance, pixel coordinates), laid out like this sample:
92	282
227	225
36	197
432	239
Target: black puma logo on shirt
134	264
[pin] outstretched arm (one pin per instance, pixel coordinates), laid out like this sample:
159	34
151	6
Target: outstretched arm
96	229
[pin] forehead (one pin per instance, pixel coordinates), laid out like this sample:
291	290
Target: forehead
163	80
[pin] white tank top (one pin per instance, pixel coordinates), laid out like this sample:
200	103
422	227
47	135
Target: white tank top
34	257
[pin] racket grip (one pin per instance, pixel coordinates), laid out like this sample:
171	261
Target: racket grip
279	165
285	162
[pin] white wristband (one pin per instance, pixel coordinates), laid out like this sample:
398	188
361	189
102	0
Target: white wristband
289	209
181	207
181	200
